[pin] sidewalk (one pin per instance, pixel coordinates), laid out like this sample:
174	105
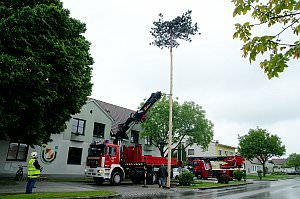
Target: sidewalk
126	190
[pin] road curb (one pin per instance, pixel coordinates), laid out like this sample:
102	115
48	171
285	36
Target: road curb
94	197
225	186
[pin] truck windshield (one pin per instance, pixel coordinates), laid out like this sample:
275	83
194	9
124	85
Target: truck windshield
96	150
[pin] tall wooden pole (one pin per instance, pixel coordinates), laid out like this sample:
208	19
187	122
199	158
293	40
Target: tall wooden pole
170	121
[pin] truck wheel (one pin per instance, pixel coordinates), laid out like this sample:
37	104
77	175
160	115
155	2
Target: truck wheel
116	178
136	176
199	176
98	181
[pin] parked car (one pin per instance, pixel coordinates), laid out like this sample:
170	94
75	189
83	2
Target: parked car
177	172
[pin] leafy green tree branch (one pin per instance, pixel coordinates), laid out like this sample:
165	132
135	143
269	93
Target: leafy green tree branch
190	125
280	15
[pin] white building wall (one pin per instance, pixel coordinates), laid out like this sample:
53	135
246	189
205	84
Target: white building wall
59	165
252	168
199	152
91	112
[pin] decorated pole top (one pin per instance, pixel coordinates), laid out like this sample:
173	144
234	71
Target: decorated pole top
166	33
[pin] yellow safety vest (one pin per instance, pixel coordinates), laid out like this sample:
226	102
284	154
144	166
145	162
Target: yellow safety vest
32	171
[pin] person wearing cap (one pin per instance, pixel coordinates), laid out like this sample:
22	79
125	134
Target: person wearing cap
34	172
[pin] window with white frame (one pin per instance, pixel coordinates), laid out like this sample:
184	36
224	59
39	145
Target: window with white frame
226	153
220	152
231	153
74	156
99	130
191	152
78	126
17	152
147	140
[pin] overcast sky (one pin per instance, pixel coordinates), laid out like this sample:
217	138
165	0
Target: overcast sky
210	70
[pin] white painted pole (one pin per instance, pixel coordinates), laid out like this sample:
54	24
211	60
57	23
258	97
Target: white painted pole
170	121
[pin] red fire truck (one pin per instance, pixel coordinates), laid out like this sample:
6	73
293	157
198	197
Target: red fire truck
202	166
110	162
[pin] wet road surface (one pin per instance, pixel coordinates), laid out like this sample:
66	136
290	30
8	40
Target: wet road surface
282	189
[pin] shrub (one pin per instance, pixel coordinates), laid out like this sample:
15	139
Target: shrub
239	174
223	178
259	173
186	178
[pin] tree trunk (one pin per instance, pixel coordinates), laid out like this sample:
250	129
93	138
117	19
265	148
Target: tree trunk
264	169
162	154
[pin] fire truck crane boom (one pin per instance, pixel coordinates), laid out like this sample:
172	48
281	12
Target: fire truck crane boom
138	116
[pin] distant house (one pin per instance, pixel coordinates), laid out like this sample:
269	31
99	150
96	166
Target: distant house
214	149
253	166
278	165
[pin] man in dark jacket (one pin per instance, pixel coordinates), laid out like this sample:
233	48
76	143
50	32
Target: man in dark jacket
162	176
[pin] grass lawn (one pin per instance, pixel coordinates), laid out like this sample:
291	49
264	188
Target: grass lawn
202	184
7	181
271	177
58	195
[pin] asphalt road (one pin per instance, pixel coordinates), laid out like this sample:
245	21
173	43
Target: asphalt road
282	189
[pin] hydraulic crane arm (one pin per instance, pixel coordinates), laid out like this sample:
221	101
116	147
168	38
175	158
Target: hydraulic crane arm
138	116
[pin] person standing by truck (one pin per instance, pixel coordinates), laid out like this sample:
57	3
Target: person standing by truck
162	176
34	172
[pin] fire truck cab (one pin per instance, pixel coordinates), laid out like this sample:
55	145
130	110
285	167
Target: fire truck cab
103	163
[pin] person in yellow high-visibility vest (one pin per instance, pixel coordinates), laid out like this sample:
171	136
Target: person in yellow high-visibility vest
34	171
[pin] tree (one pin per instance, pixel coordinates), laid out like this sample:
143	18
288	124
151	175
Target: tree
293	161
258	143
190	125
281	43
45	69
